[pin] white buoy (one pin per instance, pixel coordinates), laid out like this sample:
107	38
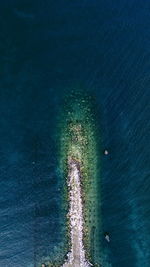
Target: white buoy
107	238
106	152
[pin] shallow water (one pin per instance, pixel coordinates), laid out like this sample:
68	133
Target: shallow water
47	48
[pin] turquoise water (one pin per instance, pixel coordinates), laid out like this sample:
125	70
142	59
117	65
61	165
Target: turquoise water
46	49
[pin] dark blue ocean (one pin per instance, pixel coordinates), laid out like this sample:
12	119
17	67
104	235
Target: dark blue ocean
46	49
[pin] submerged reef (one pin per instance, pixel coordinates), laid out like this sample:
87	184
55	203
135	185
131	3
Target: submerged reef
79	142
79	163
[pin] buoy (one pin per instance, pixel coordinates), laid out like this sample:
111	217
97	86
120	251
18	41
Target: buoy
107	236
106	152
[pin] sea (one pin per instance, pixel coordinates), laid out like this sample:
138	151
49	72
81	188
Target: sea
47	49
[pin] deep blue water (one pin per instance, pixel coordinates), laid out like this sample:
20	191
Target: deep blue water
46	48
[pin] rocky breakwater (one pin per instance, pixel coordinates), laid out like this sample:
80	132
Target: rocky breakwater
76	257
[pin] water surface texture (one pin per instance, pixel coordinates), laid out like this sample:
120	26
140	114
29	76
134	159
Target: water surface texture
48	48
